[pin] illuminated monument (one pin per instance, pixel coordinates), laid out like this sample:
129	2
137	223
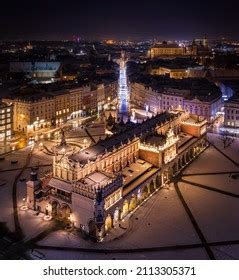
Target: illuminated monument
95	188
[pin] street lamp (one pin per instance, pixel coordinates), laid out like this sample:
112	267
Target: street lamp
85	142
40	146
24	207
72	220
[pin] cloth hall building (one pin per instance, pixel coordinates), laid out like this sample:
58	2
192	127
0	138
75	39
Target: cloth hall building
95	188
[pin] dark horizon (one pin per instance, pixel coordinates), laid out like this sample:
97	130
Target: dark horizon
122	20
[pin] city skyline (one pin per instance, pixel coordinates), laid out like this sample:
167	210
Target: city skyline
124	20
119	132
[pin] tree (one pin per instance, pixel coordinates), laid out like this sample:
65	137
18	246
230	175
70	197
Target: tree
227	140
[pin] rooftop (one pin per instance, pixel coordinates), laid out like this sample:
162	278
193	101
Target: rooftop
201	88
94	180
167	46
177	63
156	140
114	142
233	84
60	184
36	93
4	105
31	96
134	171
233	99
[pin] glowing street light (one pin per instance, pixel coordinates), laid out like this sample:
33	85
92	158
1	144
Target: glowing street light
40	146
24	207
85	142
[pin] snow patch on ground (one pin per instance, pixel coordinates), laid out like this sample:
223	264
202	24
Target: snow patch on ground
216	214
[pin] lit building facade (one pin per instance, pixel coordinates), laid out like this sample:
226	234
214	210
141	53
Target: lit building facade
171	99
177	73
207	108
172	73
42	110
111	90
36	69
31	115
166	50
6	122
171	50
231	112
97	187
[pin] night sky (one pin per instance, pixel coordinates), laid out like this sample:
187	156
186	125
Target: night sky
103	19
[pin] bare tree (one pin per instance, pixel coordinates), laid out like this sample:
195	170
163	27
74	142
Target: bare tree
227	140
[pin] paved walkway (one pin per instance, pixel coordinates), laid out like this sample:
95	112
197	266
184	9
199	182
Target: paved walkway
90	136
224	154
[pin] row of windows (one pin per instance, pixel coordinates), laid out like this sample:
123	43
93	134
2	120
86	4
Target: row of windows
5	116
4	136
172	98
110	200
42	112
61	101
201	107
167	103
3	127
231	124
5	110
232	117
45	117
232	111
5	121
62	111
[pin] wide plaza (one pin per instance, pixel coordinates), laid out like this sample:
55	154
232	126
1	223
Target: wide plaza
193	217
